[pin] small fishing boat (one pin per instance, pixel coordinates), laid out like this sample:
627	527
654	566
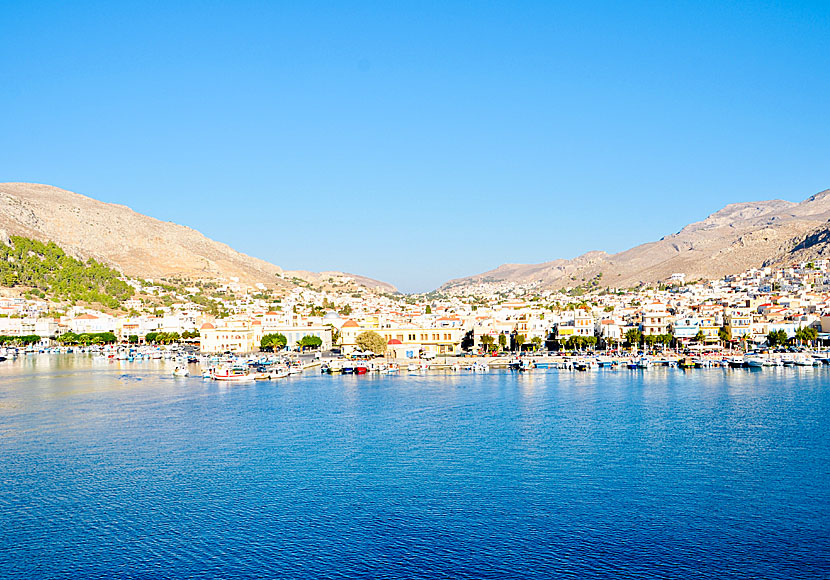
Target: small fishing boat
686	363
180	372
480	367
233	374
526	365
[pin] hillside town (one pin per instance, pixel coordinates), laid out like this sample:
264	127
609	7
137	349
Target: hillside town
738	312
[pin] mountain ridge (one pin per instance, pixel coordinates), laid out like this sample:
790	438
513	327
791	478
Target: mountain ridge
138	245
729	240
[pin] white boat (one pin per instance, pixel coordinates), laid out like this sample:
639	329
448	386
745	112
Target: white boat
754	361
736	362
180	372
803	361
232	374
644	363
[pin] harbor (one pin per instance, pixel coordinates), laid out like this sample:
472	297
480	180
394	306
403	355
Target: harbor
314	472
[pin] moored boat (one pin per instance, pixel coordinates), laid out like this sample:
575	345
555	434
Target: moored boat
232	374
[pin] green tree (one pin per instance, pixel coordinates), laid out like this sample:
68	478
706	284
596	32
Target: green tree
537	342
777	338
633	337
67	338
700	337
487	342
520	340
47	270
132	339
371	340
502	341
468	341
724	335
428	309
275	341
806	334
310	341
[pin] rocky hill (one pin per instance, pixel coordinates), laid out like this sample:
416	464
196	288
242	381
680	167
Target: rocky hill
730	240
135	244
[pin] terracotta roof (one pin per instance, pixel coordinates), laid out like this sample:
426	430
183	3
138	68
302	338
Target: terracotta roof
350	324
86	317
207	326
394	341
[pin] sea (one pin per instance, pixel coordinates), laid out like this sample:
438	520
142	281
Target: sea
119	470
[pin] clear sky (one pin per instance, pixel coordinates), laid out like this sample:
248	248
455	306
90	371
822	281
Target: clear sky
417	142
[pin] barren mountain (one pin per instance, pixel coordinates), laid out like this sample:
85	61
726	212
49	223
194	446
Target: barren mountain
730	240
135	244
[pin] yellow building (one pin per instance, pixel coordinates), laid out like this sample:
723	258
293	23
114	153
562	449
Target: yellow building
411	340
231	336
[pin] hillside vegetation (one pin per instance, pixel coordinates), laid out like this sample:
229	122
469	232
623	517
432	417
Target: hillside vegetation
46	271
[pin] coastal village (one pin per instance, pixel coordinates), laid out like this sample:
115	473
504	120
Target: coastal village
736	312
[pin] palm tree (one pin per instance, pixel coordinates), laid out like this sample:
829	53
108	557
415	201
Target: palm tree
486	341
805	334
811	335
633	337
724	335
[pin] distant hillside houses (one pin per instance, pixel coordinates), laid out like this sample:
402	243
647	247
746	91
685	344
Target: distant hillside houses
738	310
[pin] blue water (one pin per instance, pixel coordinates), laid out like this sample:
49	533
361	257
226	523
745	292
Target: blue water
121	471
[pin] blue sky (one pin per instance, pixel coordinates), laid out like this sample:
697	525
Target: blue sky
417	142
